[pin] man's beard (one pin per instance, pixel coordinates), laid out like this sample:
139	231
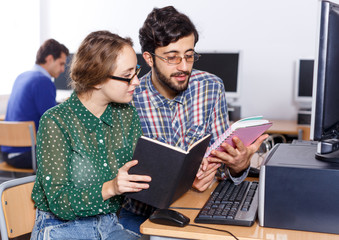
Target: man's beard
167	81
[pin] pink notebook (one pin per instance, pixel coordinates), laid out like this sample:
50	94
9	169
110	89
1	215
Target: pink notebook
247	130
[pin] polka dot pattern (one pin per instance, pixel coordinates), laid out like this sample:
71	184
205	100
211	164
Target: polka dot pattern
77	152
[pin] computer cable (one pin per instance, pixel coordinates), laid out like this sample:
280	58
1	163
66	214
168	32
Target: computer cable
210	228
216	229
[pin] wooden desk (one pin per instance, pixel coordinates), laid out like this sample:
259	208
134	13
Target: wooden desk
290	127
193	199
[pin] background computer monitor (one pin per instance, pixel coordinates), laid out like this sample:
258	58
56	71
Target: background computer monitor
224	65
304	83
62	82
63	88
325	109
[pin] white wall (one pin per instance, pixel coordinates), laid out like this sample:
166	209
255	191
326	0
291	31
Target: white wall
19	40
271	34
3	104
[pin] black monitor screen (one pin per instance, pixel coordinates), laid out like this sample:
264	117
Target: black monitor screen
325	112
61	83
331	93
224	65
305	78
144	66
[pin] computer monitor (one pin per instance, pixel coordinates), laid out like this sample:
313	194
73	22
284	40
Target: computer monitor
62	82
63	88
144	66
325	108
225	65
304	83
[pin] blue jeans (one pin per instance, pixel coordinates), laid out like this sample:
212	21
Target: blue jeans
100	227
22	160
130	220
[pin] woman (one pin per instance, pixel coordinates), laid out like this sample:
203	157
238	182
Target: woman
85	145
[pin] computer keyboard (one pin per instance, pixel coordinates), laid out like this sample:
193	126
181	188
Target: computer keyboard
231	204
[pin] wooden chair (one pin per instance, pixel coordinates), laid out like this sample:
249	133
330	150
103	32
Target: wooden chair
17	212
18	134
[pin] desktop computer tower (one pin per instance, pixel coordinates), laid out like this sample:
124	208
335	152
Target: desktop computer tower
304	116
297	191
234	113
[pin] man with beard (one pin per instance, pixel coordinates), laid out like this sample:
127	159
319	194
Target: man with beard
179	105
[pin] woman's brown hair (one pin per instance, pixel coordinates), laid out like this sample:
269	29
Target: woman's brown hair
95	60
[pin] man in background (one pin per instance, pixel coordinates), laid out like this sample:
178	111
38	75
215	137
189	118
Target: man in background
32	94
179	105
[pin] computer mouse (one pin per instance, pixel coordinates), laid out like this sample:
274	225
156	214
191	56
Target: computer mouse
169	217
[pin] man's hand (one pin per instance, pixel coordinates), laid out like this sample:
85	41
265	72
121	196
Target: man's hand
236	159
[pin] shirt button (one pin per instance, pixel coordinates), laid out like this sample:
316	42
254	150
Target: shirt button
100	121
101	141
48	178
105	164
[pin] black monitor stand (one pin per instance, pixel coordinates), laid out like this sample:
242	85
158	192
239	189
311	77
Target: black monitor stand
328	157
328	150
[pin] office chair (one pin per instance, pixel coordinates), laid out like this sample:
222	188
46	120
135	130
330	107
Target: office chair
18	134
17	212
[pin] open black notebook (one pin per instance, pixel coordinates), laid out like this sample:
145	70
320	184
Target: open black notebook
172	169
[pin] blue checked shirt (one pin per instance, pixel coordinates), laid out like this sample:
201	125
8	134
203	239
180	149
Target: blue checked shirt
199	110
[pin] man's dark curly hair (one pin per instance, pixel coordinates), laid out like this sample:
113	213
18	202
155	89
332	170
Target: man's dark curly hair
164	26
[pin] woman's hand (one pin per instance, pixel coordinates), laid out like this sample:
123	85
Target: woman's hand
125	182
205	175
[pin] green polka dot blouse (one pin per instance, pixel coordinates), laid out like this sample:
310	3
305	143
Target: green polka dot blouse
77	152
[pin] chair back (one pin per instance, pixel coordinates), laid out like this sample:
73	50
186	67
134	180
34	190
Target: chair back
17	212
19	134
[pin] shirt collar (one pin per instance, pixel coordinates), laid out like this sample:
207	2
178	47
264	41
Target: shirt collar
38	68
157	99
87	118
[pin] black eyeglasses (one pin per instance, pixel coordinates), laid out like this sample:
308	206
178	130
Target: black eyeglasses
137	71
190	58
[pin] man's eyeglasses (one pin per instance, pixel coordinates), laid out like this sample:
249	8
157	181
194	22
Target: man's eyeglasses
137	71
190	58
